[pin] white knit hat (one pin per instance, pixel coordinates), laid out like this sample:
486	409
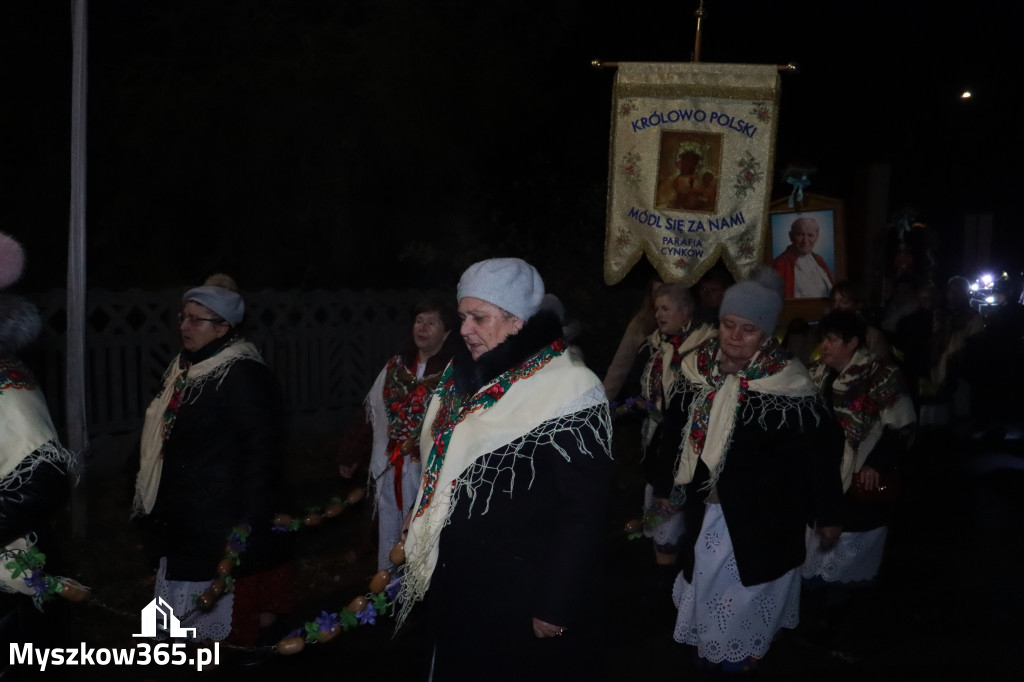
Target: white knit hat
509	283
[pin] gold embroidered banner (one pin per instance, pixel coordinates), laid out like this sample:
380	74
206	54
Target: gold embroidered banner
690	168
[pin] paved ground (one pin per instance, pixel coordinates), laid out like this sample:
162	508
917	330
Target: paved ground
948	604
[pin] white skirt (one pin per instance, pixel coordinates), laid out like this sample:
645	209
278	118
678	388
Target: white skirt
854	558
724	619
389	517
214	624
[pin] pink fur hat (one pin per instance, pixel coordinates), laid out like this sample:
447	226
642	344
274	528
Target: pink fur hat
12	260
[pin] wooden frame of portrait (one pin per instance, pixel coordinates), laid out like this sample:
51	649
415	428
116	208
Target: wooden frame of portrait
828	212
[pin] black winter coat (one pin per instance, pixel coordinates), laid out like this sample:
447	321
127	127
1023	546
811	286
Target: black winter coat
223	466
777	479
535	552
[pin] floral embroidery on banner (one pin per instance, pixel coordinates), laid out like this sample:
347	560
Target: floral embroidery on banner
762	111
632	168
749	174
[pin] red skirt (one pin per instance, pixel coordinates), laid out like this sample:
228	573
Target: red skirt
271	591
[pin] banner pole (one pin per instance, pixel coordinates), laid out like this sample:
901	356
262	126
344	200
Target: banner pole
601	64
696	43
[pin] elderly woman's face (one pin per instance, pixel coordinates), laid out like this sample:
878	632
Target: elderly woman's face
740	339
670	315
199	326
485	325
428	333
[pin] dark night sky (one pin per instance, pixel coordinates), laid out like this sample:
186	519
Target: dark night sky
391	142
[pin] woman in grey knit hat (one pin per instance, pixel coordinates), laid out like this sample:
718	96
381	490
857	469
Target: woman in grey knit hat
212	459
758	459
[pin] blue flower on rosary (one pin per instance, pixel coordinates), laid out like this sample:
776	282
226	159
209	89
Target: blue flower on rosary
328	621
38	582
368	616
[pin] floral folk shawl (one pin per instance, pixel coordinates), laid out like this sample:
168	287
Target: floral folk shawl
658	383
463	428
25	424
720	399
28	440
396	405
867	395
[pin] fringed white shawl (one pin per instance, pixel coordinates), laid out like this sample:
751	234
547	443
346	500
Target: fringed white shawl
28	440
212	369
562	395
692	337
768	373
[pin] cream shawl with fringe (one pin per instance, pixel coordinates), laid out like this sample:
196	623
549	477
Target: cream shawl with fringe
28	440
791	382
25	426
695	334
212	369
562	387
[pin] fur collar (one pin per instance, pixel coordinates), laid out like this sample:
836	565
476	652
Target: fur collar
539	331
19	324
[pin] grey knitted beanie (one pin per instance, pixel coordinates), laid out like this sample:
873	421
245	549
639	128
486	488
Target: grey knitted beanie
758	299
220	294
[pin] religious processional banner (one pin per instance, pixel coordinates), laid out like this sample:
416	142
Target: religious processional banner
690	167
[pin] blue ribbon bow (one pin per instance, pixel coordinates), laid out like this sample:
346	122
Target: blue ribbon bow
797	195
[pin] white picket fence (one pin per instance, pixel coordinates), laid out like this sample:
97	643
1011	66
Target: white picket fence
325	347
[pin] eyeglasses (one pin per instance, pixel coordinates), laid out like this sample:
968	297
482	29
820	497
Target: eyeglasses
193	320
